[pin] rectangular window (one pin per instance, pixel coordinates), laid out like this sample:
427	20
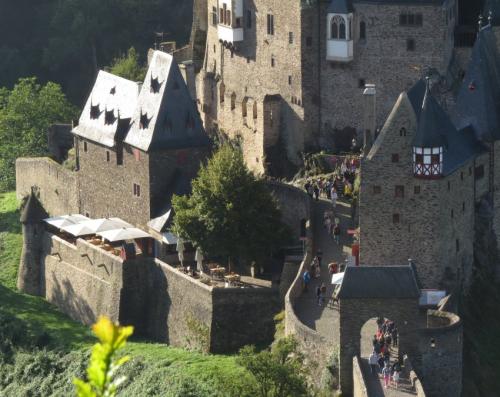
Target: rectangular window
137	190
416	189
462	176
214	15
399	191
463	207
85	146
419	20
479	172
395	218
452	213
395	158
249	19
273	62
290	37
410	45
107	156
457	245
449	186
270	24
377	189
403	19
411	19
361	83
289	80
238	22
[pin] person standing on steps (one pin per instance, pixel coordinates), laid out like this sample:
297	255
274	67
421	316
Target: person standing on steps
373	361
334	198
386	372
306	277
316	191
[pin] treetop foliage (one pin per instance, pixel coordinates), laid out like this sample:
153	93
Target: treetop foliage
128	66
230	213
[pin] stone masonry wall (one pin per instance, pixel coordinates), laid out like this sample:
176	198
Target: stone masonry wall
359	385
57	185
80	280
106	188
382	59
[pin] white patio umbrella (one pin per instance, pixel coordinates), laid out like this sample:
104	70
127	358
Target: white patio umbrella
337	278
65	220
180	250
125	233
94	226
199	259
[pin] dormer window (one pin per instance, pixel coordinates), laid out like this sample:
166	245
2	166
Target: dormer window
155	85
112	91
95	112
144	121
109	117
428	162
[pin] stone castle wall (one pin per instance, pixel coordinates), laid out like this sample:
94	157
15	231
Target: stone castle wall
359	384
57	186
85	281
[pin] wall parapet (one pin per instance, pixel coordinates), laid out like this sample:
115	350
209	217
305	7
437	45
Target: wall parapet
414	379
360	389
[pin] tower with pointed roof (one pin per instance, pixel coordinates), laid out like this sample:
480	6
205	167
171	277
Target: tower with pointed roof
32	214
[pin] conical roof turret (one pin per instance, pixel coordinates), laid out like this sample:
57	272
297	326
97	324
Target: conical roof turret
33	210
434	124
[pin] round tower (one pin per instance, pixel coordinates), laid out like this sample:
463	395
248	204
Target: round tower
32	214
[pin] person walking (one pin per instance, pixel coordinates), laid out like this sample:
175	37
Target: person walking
395	378
306	277
386	372
334	198
336	233
373	361
316	191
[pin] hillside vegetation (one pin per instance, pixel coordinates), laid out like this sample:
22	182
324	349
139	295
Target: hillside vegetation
42	350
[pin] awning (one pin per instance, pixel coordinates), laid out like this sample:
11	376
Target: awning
126	233
94	226
65	220
337	278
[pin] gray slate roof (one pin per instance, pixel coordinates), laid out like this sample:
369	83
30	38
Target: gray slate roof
478	101
340	7
436	129
165	116
111	102
384	282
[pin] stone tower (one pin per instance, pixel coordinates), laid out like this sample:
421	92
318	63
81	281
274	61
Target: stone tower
28	279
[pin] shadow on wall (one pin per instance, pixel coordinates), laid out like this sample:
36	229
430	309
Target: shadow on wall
65	297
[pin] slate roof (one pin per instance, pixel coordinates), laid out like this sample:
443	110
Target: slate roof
33	211
478	101
361	282
108	110
340	7
435	129
166	116
434	124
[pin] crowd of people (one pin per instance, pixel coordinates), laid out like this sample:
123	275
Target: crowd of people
383	341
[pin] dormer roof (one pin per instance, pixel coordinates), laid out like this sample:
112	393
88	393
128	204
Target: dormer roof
166	116
340	7
111	102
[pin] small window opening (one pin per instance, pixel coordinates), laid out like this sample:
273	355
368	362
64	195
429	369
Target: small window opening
109	117
95	112
144	121
395	157
112	91
395	218
84	146
155	85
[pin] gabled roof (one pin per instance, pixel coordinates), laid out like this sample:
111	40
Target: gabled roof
111	102
478	101
340	7
433	125
386	282
33	210
166	116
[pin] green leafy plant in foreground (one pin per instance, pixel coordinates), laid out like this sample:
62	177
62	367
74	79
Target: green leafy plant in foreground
102	367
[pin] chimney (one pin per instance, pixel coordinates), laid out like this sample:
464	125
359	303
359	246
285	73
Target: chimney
370	116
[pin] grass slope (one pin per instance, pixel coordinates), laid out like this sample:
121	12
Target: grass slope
155	369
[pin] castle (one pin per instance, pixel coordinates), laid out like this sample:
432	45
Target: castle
285	77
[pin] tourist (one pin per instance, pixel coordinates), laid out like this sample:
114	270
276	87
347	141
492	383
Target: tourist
310	190
334	198
306	186
333	268
381	362
395	378
373	361
319	256
316	191
317	269
396	367
336	233
323	292
386	372
306	277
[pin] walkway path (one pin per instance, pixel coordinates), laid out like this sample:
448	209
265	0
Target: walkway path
322	318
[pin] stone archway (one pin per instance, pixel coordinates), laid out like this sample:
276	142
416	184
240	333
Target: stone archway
367	292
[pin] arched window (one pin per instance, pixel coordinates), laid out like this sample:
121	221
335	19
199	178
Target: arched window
338	28
233	101
222	92
255	110
362	30
244	107
342	30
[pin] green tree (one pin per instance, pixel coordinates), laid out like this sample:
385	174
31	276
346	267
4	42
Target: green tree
128	66
230	213
102	367
278	372
26	112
